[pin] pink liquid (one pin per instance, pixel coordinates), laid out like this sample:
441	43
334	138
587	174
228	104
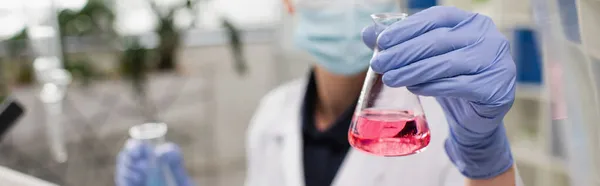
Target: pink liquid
389	132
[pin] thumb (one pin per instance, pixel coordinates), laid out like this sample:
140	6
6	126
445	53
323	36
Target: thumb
170	155
369	36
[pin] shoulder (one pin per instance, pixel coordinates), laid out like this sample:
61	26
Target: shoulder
277	105
286	94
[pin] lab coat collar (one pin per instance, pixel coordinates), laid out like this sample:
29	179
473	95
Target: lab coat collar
292	145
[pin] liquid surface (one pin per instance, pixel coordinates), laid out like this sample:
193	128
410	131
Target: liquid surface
389	132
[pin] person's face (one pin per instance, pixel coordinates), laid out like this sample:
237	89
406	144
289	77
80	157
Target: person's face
330	31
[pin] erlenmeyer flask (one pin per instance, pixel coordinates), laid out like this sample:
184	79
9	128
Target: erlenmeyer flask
388	121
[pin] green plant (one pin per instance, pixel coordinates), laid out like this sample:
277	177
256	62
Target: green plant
26	74
134	67
16	47
170	35
94	19
82	69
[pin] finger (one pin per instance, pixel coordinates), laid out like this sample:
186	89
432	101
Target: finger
420	23
369	36
130	170
135	149
121	172
127	174
426	70
171	155
483	87
434	43
449	87
138	172
123	180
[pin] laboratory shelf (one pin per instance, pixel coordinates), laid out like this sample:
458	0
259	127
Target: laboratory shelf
571	39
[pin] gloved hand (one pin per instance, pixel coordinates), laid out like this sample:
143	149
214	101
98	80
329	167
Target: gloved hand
464	61
133	165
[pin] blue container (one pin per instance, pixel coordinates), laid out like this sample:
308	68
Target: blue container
421	4
417	5
527	56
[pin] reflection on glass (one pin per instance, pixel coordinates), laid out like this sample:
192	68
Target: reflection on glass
52	95
388	121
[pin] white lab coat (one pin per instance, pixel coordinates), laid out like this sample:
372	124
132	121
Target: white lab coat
274	149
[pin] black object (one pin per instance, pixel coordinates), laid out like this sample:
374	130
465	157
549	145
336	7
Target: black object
10	112
236	45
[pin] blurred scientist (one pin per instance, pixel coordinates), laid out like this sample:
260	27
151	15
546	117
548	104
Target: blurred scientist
298	136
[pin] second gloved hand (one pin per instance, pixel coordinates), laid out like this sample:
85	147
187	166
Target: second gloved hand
464	61
134	166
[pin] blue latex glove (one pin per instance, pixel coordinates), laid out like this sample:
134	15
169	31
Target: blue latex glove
133	166
464	61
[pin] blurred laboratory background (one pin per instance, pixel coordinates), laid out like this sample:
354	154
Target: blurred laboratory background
85	71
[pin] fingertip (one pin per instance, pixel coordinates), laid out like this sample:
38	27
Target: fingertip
170	153
134	149
389	79
369	36
131	144
375	65
167	148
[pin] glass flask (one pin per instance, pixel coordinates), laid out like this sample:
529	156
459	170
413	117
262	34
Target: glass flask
152	135
388	121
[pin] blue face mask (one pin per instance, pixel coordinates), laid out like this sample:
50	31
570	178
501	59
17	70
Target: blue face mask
333	35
